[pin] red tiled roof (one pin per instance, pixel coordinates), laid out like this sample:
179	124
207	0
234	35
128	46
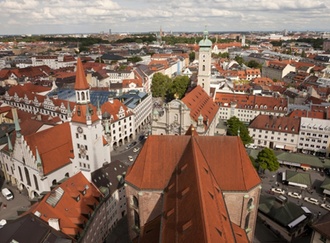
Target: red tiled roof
70	212
54	154
157	167
113	109
81	81
276	124
200	103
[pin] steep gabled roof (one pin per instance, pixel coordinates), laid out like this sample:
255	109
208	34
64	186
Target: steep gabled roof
160	155
54	154
200	103
81	81
70	203
192	183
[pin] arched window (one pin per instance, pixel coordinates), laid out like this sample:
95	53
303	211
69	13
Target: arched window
247	221
250	203
36	182
136	219
82	96
27	175
135	201
54	182
203	68
67	175
20	173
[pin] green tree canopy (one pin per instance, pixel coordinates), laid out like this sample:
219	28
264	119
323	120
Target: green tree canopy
192	56
267	160
254	64
235	126
159	85
178	87
163	86
239	60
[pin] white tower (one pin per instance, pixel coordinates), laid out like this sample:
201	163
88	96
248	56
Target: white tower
204	68
90	152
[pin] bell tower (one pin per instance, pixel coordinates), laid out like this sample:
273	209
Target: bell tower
204	63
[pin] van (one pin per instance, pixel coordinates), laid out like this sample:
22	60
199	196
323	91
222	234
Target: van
7	194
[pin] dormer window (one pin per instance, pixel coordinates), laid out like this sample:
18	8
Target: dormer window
279	127
78	198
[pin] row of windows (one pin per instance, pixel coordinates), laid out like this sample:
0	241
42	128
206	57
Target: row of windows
313	140
272	138
315	135
311	145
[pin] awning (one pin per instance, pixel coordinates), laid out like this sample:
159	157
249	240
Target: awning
297	184
304	166
297	221
306	210
279	146
291	148
325	191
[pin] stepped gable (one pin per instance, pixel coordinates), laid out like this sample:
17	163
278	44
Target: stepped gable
54	154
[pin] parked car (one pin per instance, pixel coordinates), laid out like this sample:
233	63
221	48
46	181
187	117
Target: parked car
3	222
327	207
294	194
312	200
130	158
136	149
7	194
251	146
278	190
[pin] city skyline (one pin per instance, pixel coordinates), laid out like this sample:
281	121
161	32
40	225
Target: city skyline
79	16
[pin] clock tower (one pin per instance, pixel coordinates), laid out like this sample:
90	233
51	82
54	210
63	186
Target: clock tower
204	63
91	150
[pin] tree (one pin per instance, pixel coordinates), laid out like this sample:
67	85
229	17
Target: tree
254	64
267	160
192	56
159	85
178	87
239	60
235	126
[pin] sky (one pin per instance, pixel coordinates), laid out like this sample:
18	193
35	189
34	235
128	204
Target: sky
131	16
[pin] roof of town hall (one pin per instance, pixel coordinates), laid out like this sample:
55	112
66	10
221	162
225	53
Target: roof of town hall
161	154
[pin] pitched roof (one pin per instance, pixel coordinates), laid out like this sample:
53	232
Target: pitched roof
217	151
200	103
274	123
323	225
193	183
81	111
56	154
70	203
81	81
32	228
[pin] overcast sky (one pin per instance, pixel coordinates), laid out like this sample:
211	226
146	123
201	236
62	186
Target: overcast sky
82	16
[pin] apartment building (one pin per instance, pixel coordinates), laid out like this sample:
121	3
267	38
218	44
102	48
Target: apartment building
275	132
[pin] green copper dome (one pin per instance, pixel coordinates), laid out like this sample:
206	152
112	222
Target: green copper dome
205	42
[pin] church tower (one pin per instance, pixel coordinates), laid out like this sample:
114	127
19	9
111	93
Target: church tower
204	66
90	148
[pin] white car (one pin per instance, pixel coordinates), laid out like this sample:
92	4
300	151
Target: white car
130	158
278	190
327	207
294	194
312	200
136	149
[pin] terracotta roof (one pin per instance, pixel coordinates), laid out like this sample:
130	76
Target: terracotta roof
200	103
193	183
80	113
156	168
304	113
113	109
81	81
56	154
322	225
62	204
277	124
252	102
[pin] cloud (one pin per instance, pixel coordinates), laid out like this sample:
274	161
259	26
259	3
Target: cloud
37	16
